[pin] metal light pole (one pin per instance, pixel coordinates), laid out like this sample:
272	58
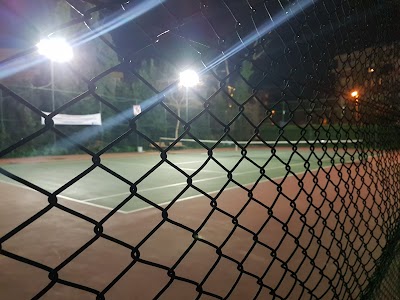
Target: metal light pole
53	104
187	106
56	50
188	78
356	96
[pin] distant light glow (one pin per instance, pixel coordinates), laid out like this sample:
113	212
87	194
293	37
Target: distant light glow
354	94
265	28
371	70
189	78
17	65
55	49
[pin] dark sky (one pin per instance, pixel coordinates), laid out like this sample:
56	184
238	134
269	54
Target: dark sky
329	28
19	22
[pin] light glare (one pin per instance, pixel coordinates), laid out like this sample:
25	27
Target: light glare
189	78
354	94
55	49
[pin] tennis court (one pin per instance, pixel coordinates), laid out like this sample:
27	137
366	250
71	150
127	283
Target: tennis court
181	175
229	240
199	150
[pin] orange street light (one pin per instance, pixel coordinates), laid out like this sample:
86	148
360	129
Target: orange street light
354	94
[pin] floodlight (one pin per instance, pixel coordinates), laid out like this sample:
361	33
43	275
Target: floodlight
189	78
55	49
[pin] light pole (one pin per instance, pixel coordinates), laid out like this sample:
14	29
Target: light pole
188	78
53	106
355	96
56	50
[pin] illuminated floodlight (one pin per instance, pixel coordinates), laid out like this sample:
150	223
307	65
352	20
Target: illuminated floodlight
354	94
189	78
55	49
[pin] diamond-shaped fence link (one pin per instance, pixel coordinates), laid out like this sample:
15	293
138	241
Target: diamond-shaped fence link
275	175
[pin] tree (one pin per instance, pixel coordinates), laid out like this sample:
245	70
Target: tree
239	89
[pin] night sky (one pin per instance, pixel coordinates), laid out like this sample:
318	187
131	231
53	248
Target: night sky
19	22
311	39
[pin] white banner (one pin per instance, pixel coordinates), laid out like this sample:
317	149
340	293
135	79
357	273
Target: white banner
63	119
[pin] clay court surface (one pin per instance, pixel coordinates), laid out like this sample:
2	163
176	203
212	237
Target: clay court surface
308	226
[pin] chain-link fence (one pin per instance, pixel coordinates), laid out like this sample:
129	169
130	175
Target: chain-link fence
304	93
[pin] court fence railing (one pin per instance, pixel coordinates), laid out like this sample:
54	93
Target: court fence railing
320	75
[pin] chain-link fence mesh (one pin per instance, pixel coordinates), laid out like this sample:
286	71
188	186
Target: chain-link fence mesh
320	78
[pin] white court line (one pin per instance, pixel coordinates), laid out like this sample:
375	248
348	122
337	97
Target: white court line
233	187
152	165
91	204
165	165
188	162
21	186
185	183
204	171
214	192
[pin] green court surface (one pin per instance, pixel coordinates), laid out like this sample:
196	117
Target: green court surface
159	182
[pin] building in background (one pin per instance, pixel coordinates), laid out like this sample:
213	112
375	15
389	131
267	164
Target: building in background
368	83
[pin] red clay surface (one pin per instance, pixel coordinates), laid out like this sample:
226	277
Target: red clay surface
356	203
